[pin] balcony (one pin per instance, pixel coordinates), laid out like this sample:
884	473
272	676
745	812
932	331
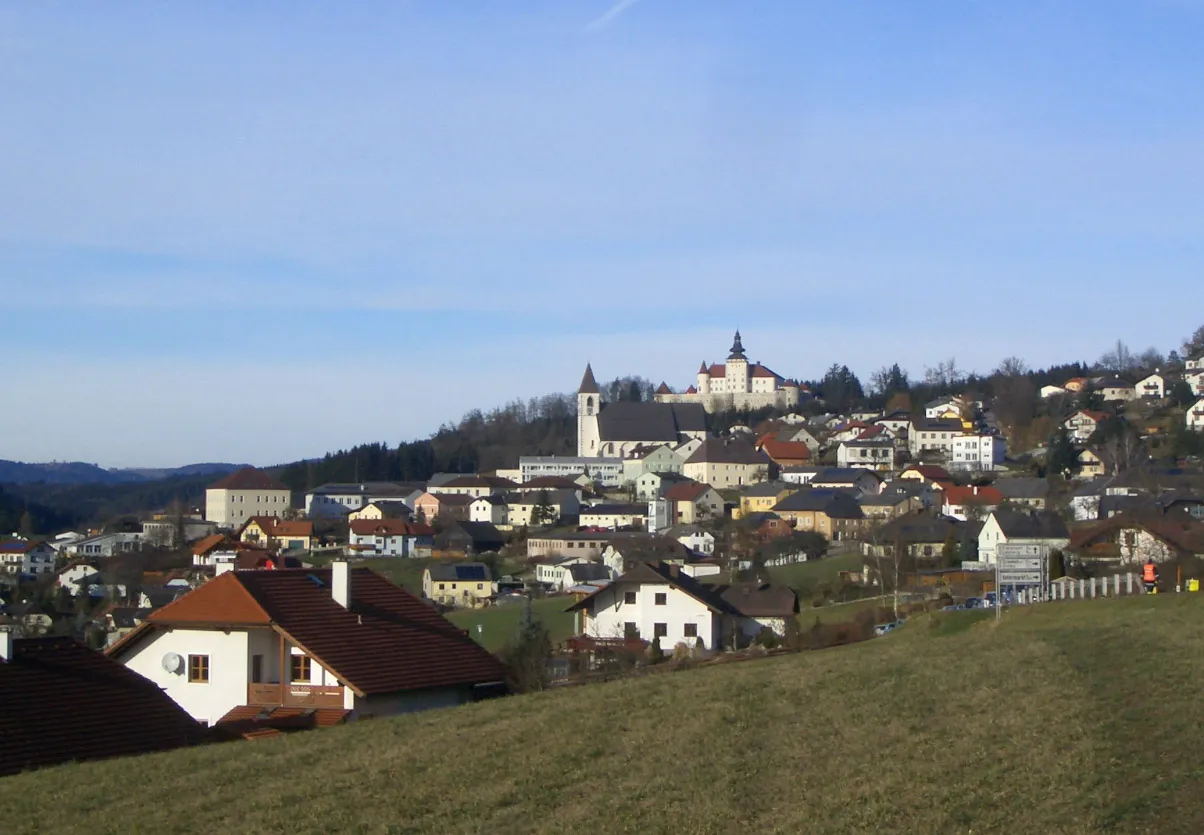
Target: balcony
294	695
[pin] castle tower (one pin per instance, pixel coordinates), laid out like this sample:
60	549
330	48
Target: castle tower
704	379
737	368
589	403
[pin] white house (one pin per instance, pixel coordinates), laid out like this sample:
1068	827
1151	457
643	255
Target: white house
338	500
244	493
106	544
491	509
21	556
1152	387
614	516
1195	363
1195	416
565	572
603	472
976	452
344	644
661	602
1114	388
878	454
1051	391
654	458
1082	424
1195	381
388	538
1013	526
78	577
693	537
930	436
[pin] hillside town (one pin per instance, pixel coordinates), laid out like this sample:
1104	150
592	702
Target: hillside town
740	514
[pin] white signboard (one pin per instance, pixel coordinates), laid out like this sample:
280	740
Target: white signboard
1020	567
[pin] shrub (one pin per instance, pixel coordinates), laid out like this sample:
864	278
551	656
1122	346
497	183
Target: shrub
655	654
767	638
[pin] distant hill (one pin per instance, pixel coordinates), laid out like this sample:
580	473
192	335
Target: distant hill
78	472
1071	717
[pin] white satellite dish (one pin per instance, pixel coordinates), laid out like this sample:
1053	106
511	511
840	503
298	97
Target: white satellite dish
172	662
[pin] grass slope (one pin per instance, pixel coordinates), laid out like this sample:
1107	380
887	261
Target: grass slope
499	624
1071	717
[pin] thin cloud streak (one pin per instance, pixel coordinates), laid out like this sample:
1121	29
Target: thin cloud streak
606	18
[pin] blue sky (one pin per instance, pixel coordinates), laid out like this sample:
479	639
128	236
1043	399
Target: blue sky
260	231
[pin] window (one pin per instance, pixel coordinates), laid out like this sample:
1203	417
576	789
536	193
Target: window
630	630
661	599
690	630
299	668
256	669
440	587
198	669
629	597
660	630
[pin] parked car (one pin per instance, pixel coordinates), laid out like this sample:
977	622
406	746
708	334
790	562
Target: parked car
973	603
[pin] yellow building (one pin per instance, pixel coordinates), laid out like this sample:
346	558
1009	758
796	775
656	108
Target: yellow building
761	498
273	533
462	584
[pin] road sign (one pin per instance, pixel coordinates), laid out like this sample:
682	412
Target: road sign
1020	578
1021	564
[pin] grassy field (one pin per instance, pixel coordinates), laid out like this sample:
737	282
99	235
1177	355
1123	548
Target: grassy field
816	573
500	623
1076	717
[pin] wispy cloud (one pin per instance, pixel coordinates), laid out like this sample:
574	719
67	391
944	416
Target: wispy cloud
608	17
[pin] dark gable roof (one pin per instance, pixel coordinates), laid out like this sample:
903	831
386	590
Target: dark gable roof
584	572
248	478
460	572
1022	488
659	573
920	527
1019	525
844	475
60	701
646	422
760	600
482	534
375	488
936	425
836	504
588	384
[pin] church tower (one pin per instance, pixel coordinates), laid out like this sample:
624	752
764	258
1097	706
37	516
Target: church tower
737	368
589	403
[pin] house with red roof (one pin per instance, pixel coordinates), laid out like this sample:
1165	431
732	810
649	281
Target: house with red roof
971	500
1082	424
691	501
245	493
278	534
338	644
389	538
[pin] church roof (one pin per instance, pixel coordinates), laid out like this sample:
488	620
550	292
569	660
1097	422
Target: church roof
588	384
737	349
703	369
630	421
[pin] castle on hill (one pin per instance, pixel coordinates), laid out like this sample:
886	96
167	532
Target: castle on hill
736	384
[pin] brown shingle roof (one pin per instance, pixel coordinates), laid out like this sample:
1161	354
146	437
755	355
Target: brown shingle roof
60	701
389	527
727	451
248	478
386	642
210	543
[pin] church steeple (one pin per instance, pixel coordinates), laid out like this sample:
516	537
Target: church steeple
737	349
588	384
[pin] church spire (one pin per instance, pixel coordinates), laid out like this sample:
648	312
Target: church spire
737	349
588	384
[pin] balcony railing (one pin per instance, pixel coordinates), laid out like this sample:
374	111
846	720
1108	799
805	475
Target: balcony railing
294	695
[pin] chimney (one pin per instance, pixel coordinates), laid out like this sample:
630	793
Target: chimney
6	644
340	583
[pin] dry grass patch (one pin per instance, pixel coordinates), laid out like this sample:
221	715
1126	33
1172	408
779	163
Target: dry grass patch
1077	717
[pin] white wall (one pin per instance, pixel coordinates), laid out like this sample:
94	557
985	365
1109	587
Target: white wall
229	669
610	614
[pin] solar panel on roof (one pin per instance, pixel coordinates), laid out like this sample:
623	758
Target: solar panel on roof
470	572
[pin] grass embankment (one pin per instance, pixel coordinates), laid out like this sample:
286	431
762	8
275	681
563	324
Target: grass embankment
1071	717
499	624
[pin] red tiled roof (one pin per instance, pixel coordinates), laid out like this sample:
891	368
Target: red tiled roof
248	478
717	370
1094	415
691	390
210	543
930	471
784	451
389	527
686	491
386	642
663	389
972	495
60	701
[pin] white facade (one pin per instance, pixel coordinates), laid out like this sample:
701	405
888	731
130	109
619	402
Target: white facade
106	545
556	574
1195	417
1152	387
697	540
1051	391
1081	426
489	509
976	452
338	500
868	455
660	460
992	536
651	610
1195	381
77	579
924	438
232	508
383	544
737	385
604	472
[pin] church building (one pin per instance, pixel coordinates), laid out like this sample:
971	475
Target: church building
613	430
737	384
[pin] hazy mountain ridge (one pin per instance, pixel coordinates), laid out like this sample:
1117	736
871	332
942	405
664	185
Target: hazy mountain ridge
79	472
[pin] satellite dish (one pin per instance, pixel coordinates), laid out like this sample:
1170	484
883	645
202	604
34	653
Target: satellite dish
172	662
